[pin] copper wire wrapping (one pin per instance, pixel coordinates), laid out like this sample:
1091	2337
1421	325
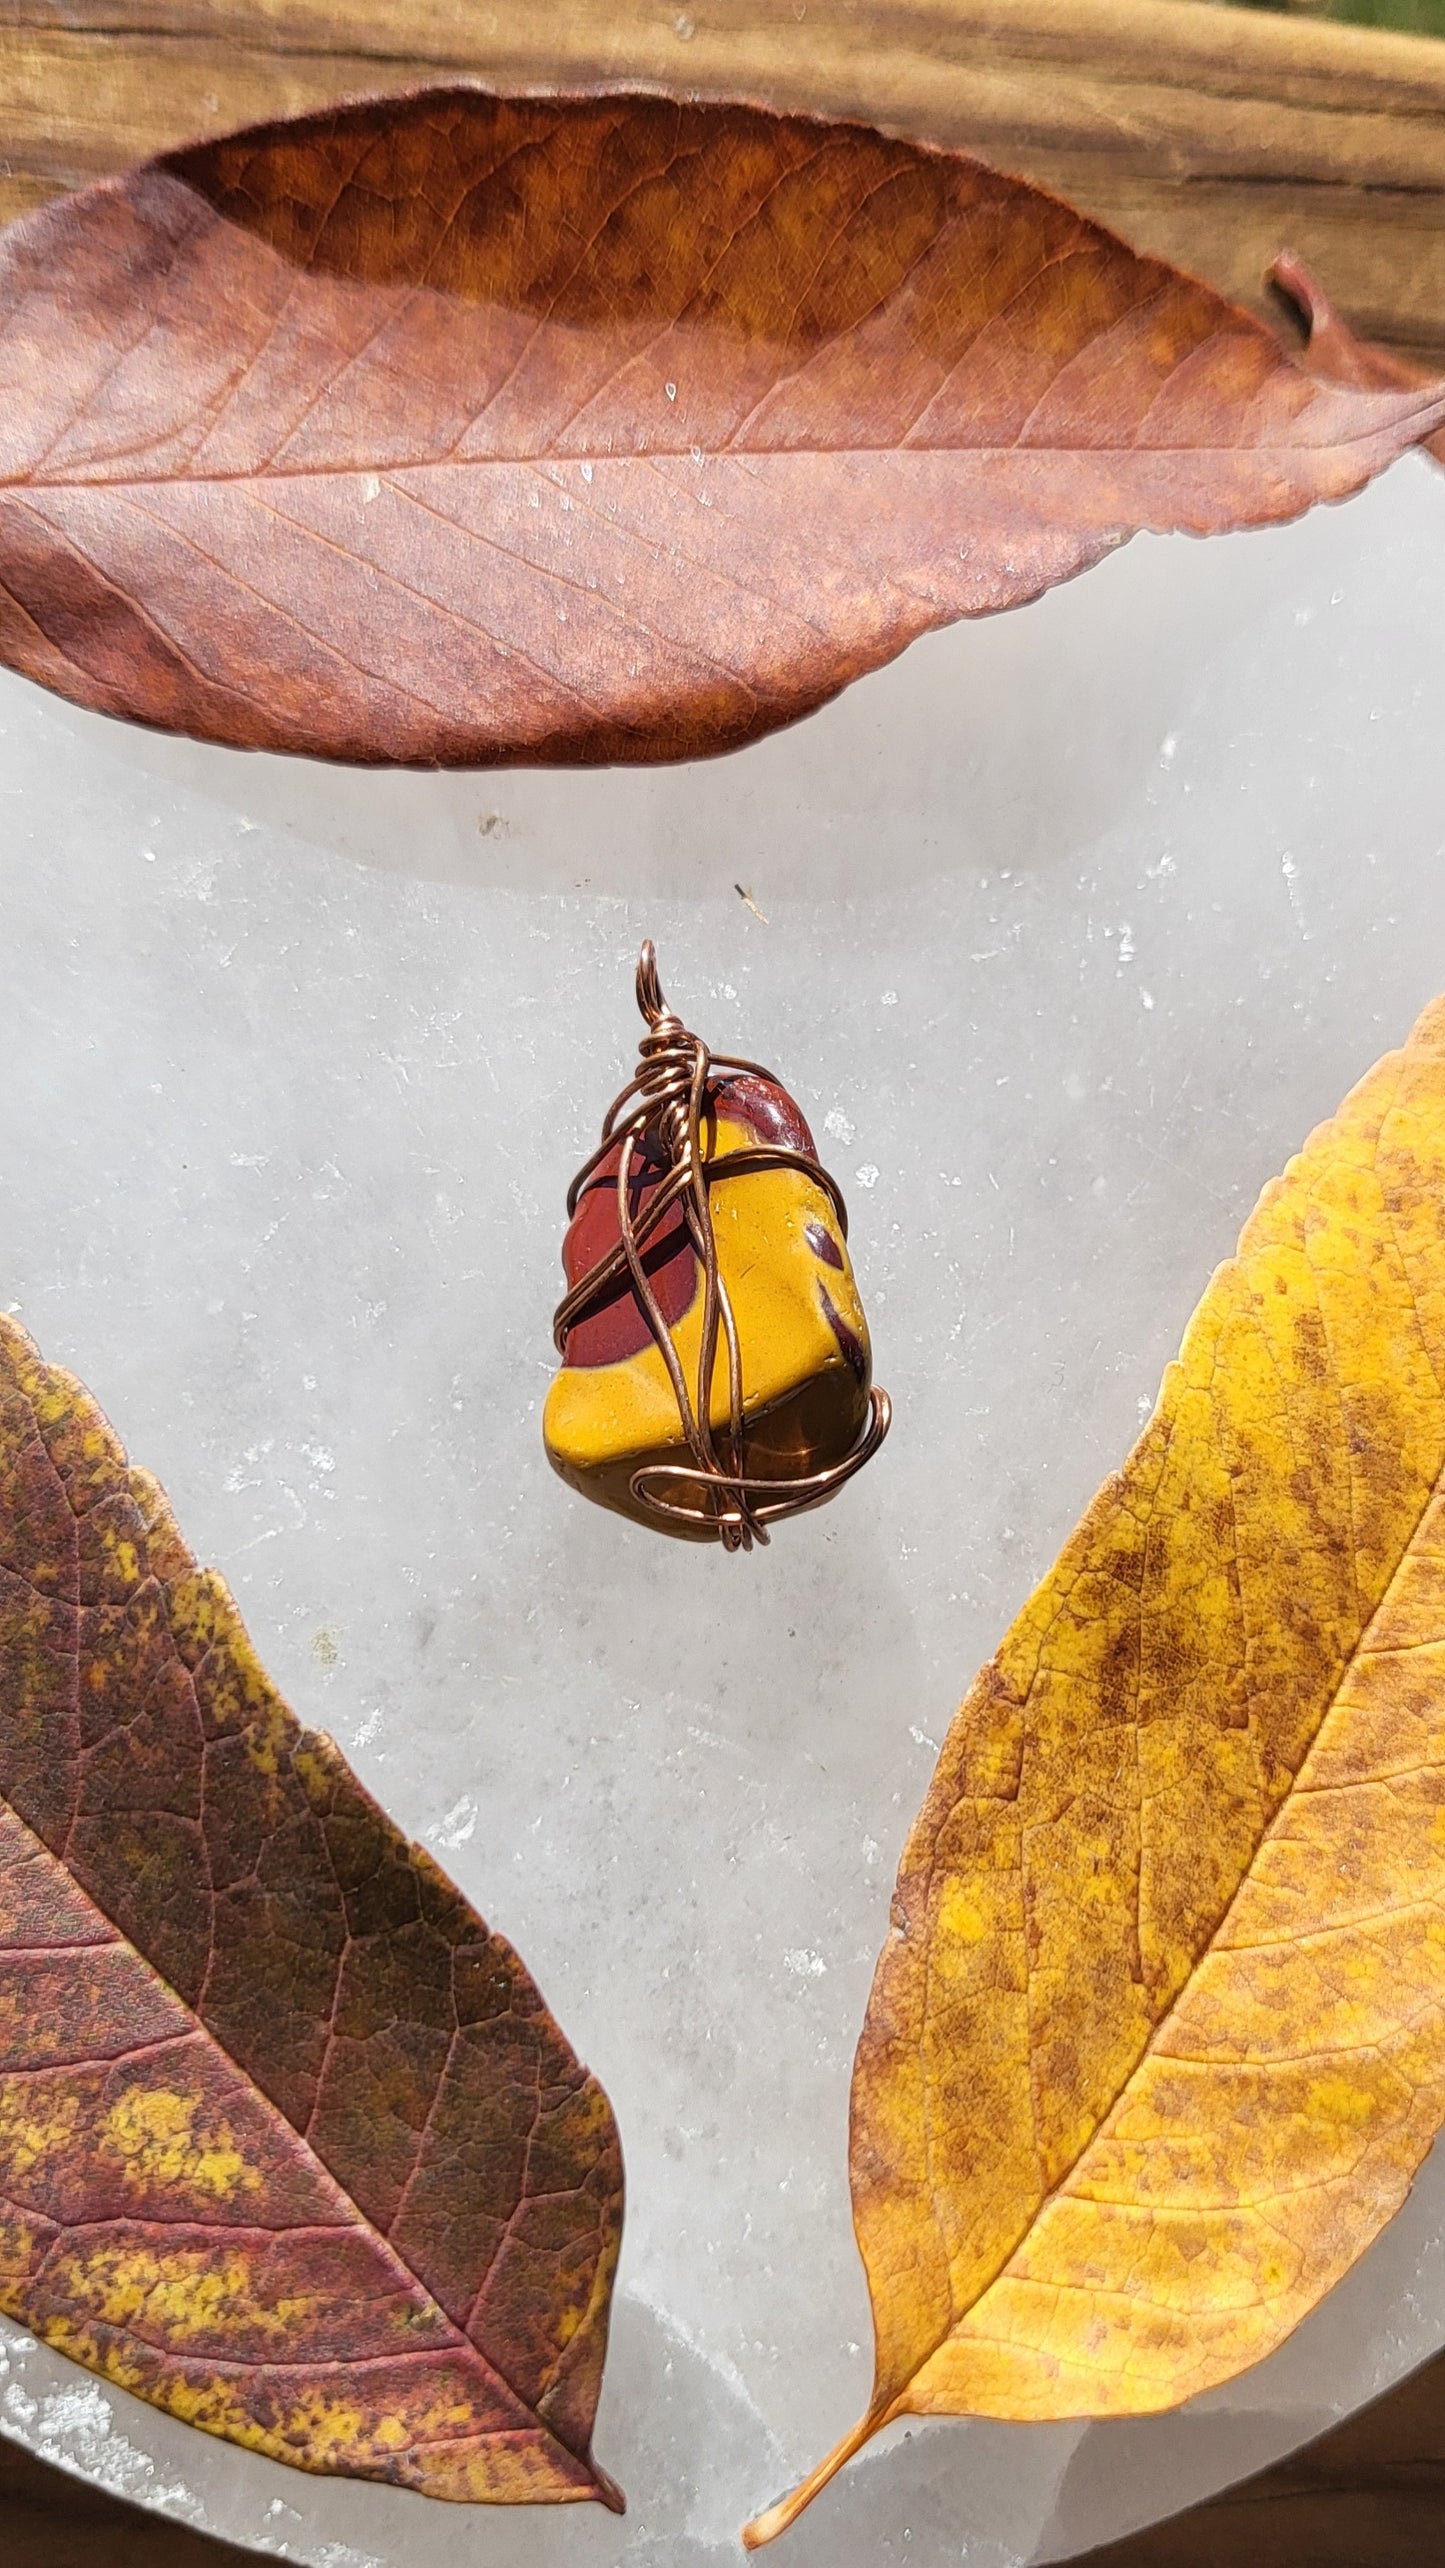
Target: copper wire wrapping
668	1100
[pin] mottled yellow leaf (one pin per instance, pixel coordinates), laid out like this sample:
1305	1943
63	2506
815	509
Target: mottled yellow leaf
1157	2041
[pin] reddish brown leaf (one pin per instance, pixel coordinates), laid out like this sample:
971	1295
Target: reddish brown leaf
289	2143
466	429
1336	355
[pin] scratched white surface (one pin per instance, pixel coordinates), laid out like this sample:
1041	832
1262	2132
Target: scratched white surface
1076	923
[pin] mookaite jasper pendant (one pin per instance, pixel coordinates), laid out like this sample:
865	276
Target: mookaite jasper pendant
716	1371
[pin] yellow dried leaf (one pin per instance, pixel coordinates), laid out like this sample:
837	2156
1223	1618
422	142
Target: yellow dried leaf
1157	2041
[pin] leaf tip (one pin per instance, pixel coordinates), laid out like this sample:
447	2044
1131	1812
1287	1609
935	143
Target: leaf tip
1289	276
1333	354
607	2491
1332	350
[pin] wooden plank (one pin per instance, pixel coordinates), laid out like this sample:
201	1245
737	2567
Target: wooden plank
1369	2494
50	2520
1214	136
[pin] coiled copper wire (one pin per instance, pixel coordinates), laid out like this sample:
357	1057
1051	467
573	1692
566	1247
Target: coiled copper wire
669	1099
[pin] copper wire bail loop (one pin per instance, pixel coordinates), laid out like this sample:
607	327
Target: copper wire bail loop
668	1102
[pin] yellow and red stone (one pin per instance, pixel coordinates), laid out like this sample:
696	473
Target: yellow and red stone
783	1259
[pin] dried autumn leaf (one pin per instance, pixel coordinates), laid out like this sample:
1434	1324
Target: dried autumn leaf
1157	2041
289	2143
460	429
1336	355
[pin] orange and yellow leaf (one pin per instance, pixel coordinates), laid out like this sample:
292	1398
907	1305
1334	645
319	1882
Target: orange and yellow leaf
1157	2042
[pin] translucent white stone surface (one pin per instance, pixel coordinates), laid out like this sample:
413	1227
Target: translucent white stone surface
1076	923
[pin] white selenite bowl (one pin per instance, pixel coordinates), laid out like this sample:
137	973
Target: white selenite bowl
1077	922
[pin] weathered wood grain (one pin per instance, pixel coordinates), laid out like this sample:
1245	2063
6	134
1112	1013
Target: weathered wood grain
1369	2494
1216	137
50	2520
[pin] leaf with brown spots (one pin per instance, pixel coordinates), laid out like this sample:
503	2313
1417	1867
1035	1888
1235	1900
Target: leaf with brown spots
468	430
1157	2042
289	2143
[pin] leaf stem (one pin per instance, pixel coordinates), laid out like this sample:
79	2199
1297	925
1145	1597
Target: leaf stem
775	2519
